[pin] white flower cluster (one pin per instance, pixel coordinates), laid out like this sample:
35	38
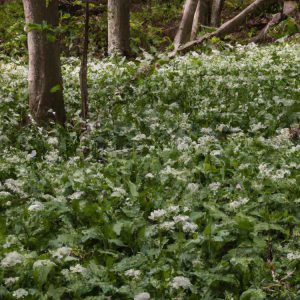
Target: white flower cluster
169	225
76	195
36	206
43	263
11	259
214	186
293	256
238	203
11	281
142	296
265	171
135	274
63	253
15	186
78	269
181	282
157	214
20	293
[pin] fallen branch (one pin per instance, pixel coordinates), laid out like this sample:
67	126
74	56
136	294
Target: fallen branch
228	27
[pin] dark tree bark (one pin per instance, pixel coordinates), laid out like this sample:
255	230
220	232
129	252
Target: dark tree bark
44	78
205	12
84	65
217	6
118	27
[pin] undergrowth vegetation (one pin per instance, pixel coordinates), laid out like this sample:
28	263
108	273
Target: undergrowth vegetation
186	185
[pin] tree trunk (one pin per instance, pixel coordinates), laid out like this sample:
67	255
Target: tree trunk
201	17
216	11
185	28
118	27
44	77
196	22
84	65
205	12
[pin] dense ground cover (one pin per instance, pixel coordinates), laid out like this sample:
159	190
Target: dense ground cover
186	186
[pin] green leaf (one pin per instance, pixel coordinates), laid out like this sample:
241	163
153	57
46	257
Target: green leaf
55	89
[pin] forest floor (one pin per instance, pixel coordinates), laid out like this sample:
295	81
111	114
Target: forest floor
185	186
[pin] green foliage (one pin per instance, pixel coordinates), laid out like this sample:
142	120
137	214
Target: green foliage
12	35
186	185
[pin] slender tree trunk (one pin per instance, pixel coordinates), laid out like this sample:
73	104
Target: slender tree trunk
118	27
201	17
196	22
216	11
205	12
185	28
84	67
45	80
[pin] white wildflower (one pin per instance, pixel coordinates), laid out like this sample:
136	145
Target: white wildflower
149	176
168	225
142	296
244	166
238	186
36	206
214	186
216	152
52	156
180	218
11	281
207	130
293	256
133	273
10	240
31	155
174	208
189	227
180	282
53	141
4	194
257	127
43	263
139	137
14	186
193	187
157	214
264	170
280	174
238	203
221	127
118	193
76	195
20	293
186	209
11	259
78	269
61	253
